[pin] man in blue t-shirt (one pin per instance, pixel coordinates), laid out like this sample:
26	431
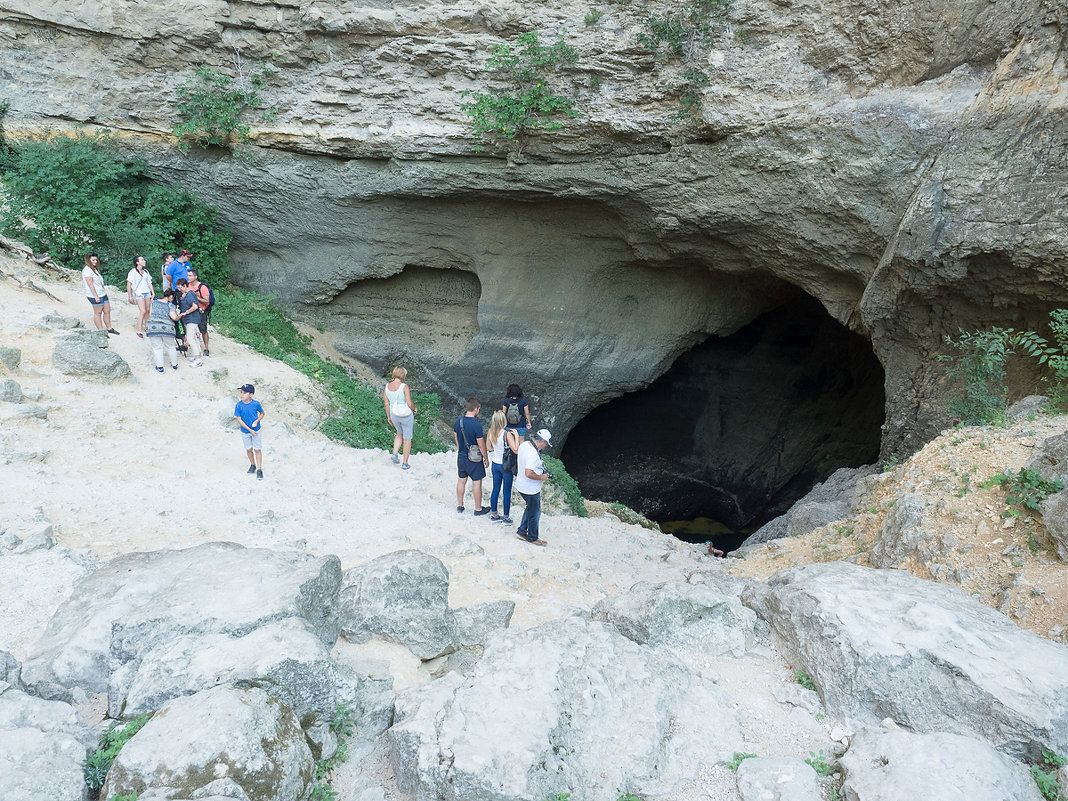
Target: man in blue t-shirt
467	432
179	268
249	412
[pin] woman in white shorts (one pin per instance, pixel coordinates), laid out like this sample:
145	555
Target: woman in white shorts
160	330
95	294
140	293
400	411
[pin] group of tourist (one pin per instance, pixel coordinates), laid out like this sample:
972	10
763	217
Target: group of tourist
176	320
512	458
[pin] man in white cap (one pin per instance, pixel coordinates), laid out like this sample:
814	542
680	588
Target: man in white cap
529	475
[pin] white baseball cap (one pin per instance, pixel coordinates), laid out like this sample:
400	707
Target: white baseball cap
543	434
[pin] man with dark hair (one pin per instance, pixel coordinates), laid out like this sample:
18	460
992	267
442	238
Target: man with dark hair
531	473
190	317
179	268
203	293
471	456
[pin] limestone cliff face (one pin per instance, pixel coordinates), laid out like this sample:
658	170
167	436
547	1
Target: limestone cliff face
906	165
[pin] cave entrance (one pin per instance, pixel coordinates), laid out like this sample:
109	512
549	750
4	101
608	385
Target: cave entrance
738	428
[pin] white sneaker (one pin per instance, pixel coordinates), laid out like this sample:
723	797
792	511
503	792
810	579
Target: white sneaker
198	362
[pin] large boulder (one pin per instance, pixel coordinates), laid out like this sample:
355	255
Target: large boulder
119	613
888	764
568	705
402	596
282	657
909	532
244	735
84	353
1055	517
1050	458
698	616
10	357
10	672
885	644
10	390
473	624
43	746
826	502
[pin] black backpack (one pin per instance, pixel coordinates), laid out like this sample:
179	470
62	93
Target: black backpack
513	412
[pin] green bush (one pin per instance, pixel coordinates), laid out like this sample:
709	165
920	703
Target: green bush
1053	356
529	102
68	195
683	30
980	366
802	678
818	762
360	421
99	762
213	106
1046	780
1024	490
343	725
739	758
567	485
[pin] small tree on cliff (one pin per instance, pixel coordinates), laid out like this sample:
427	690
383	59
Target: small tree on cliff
213	107
528	101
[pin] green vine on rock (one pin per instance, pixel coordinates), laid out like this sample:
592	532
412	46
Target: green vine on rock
213	106
528	102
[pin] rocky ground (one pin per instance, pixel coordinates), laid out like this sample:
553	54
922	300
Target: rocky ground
153	462
1006	561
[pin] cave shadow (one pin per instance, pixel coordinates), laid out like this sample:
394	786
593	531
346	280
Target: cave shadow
739	427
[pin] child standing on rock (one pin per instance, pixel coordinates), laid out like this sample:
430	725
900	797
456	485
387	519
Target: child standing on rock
249	412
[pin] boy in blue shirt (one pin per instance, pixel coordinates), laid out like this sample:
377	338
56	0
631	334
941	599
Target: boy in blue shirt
249	413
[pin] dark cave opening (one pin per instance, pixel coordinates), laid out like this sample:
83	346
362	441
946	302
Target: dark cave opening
739	427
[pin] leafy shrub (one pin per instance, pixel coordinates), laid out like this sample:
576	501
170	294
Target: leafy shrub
213	106
344	721
563	480
252	318
819	763
981	367
99	762
683	30
529	102
593	16
738	759
343	725
1052	355
1047	779
1047	783
71	195
804	680
1025	490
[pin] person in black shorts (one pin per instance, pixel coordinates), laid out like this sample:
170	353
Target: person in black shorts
467	432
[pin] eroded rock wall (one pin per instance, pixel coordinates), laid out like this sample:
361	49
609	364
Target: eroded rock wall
904	165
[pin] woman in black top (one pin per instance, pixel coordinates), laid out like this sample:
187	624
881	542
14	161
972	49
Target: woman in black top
518	416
